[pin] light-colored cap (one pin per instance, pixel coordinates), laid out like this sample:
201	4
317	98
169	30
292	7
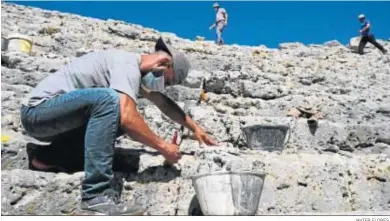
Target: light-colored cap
215	5
361	16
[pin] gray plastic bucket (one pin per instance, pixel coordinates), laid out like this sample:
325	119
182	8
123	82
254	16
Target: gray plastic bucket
266	137
3	44
229	193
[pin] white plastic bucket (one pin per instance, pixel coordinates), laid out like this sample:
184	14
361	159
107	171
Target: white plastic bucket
18	42
229	193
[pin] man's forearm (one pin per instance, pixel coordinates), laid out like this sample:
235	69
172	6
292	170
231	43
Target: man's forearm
365	28
173	111
140	131
190	124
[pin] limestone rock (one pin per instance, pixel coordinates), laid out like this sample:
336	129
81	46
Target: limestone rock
338	166
354	43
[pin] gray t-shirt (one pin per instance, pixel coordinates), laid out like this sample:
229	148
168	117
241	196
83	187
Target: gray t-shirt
112	68
219	15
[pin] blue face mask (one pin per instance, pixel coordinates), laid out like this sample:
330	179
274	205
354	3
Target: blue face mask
154	81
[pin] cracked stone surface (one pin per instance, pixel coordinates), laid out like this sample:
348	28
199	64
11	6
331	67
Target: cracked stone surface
339	166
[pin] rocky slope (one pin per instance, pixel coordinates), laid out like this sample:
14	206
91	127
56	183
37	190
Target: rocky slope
339	166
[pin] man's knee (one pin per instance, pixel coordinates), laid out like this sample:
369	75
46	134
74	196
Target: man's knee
107	96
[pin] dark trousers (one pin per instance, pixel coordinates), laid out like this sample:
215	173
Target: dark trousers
371	39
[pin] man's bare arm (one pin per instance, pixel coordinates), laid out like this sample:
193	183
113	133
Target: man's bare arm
169	108
134	125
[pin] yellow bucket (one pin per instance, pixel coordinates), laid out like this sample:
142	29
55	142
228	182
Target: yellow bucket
4	138
17	42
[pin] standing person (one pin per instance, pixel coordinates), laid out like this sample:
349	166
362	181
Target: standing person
220	22
367	36
96	94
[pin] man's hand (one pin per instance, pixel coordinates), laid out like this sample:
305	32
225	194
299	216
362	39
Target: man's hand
203	138
173	111
171	153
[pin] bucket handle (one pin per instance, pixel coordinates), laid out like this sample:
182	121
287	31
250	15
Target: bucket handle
19	38
287	139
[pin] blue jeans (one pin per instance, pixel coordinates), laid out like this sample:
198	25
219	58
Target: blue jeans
219	30
98	111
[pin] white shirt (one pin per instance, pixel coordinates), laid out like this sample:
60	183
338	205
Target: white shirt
219	15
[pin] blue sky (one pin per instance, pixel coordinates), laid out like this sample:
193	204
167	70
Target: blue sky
250	23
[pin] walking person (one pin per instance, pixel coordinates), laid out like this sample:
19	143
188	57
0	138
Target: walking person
220	22
367	36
